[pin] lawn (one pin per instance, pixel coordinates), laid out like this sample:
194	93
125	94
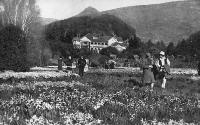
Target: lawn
101	97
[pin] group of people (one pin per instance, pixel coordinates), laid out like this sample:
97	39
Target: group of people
81	63
155	69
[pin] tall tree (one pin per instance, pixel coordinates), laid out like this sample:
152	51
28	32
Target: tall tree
134	42
21	13
170	49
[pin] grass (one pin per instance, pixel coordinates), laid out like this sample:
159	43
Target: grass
99	98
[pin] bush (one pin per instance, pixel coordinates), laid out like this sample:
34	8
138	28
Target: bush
13	53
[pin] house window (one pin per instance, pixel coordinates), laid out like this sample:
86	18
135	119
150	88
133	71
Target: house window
106	43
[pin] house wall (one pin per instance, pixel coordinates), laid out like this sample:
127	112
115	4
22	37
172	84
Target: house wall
97	46
77	44
111	41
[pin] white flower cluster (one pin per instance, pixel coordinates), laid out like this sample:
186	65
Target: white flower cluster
183	71
39	121
117	70
59	83
78	117
49	68
44	74
138	70
170	122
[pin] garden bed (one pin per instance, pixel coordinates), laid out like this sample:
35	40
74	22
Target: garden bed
115	97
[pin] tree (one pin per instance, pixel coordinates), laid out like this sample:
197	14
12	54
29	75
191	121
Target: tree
134	42
109	50
21	13
170	49
161	45
149	44
13	52
183	48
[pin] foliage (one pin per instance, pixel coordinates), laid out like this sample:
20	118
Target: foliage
195	46
134	42
170	50
98	59
108	51
21	13
97	98
13	51
84	52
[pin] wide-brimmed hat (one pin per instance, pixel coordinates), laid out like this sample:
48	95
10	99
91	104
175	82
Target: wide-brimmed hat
162	53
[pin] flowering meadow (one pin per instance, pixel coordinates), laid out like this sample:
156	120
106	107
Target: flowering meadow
100	97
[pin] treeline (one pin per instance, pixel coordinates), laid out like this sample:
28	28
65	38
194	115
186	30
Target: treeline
188	48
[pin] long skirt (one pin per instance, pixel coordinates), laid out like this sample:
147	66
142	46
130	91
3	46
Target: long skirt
148	76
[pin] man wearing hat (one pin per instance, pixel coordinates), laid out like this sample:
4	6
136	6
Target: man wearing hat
163	65
81	65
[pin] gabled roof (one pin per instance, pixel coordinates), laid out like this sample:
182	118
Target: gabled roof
120	44
76	39
100	39
106	37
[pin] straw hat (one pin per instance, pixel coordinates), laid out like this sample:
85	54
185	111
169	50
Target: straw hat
162	53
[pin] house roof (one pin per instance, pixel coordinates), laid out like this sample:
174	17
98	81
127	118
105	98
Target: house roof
99	39
120	44
76	39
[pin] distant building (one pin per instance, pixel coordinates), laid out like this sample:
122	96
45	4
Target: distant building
95	42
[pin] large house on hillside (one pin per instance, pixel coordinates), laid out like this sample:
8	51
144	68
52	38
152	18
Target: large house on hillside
95	42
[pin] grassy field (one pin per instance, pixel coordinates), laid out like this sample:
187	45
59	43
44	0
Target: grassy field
99	98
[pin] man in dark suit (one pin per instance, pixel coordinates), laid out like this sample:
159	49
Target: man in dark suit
81	65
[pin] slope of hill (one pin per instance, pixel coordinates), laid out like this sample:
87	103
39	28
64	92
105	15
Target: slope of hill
103	24
168	22
46	21
89	11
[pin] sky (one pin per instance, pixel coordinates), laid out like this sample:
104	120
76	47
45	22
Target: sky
62	9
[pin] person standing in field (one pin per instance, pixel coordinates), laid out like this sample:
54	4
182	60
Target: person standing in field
147	65
163	65
68	63
81	65
60	62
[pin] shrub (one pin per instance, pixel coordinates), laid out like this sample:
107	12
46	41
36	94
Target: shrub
13	53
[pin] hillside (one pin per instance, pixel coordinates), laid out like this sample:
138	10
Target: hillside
103	24
171	21
46	21
168	22
89	11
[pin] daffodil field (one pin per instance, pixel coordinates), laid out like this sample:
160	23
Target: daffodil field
46	96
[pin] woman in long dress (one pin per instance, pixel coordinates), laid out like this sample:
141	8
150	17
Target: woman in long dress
148	76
